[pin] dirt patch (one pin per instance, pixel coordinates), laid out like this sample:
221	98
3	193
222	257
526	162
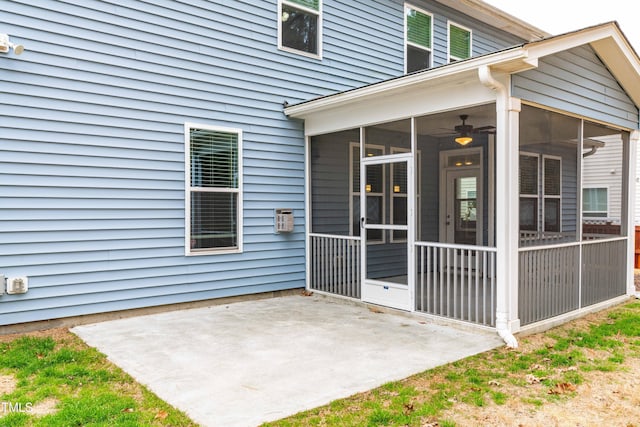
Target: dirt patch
46	407
636	277
604	398
58	334
8	384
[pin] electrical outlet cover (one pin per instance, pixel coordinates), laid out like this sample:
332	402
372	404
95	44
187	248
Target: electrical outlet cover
17	285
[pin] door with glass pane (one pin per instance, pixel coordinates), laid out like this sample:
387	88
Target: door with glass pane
463	216
387	185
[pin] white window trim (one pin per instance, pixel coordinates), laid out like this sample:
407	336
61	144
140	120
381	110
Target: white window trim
417	46
532	196
585	214
319	36
449	56
352	193
187	165
545	196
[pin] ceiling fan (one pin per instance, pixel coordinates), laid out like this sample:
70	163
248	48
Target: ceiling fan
465	131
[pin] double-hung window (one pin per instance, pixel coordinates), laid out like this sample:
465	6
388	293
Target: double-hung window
418	39
300	26
459	42
214	189
540	185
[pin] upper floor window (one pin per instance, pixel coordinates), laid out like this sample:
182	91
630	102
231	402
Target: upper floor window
459	42
300	26
418	39
214	189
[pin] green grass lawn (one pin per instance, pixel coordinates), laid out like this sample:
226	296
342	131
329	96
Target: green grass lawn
53	379
548	368
62	382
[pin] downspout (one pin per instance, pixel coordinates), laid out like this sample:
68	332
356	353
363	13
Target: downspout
590	152
502	101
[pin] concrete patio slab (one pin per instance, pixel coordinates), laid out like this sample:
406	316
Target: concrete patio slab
248	362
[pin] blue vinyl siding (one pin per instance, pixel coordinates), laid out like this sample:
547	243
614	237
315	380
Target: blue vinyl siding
92	147
578	82
485	39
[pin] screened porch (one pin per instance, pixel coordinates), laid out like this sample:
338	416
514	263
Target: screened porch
443	258
408	220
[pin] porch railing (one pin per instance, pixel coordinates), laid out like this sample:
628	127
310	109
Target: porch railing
539	238
561	278
603	270
335	264
456	281
548	282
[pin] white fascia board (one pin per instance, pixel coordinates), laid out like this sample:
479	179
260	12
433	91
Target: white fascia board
573	39
430	97
406	82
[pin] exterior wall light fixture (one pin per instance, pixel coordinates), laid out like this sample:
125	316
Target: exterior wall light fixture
6	45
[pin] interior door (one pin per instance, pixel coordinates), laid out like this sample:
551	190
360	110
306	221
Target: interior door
464	207
387	185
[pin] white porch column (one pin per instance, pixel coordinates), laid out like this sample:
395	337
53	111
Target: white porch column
507	220
631	160
507	205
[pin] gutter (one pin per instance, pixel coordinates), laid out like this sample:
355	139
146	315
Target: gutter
300	110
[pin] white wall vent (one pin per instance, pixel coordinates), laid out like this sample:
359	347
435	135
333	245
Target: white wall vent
17	285
284	220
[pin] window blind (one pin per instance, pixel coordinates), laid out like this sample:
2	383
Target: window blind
529	175
418	28
459	42
311	4
214	159
594	200
551	177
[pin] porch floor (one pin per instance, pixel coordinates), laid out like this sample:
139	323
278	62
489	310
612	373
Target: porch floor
248	362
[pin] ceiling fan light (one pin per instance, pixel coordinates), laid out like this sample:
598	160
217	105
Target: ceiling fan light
464	139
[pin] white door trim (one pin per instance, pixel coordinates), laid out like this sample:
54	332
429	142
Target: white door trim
478	171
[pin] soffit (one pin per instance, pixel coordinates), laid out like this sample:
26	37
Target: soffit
497	18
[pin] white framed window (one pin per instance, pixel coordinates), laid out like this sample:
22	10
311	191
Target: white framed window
540	192
459	42
374	187
418	30
595	202
300	27
213	189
